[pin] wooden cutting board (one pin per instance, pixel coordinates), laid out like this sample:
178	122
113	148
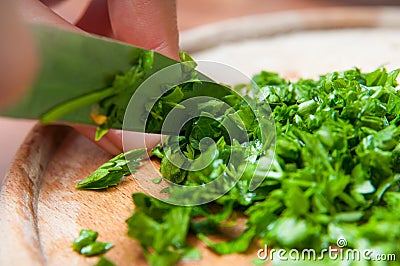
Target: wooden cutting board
41	212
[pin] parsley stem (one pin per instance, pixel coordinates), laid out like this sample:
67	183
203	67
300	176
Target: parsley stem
68	106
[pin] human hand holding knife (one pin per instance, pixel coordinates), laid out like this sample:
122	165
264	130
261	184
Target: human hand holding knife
149	24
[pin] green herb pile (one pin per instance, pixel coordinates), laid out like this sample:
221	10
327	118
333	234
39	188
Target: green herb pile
334	174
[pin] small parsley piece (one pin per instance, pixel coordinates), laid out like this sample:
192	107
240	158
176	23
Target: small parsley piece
96	248
87	245
85	238
157	180
112	172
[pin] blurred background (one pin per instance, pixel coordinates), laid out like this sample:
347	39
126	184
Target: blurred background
191	14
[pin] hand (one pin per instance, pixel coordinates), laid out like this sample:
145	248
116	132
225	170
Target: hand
150	24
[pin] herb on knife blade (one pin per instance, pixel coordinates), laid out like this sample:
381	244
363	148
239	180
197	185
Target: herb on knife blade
112	172
87	245
113	108
108	104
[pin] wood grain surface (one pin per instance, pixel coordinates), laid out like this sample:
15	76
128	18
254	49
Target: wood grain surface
44	212
41	212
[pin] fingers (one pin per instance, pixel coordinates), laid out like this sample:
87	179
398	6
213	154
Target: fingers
112	141
150	24
96	19
105	143
69	10
134	140
18	58
35	11
145	23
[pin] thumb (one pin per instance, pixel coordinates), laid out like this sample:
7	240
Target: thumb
150	24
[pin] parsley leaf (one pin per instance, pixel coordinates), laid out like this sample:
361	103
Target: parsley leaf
96	248
87	245
85	238
112	172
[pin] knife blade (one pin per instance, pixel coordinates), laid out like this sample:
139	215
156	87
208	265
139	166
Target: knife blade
72	65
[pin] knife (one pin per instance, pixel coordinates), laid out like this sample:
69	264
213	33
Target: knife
75	65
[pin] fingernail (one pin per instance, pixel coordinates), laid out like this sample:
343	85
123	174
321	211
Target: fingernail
106	143
133	140
109	146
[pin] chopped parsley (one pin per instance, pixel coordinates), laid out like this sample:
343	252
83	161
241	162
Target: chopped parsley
335	172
